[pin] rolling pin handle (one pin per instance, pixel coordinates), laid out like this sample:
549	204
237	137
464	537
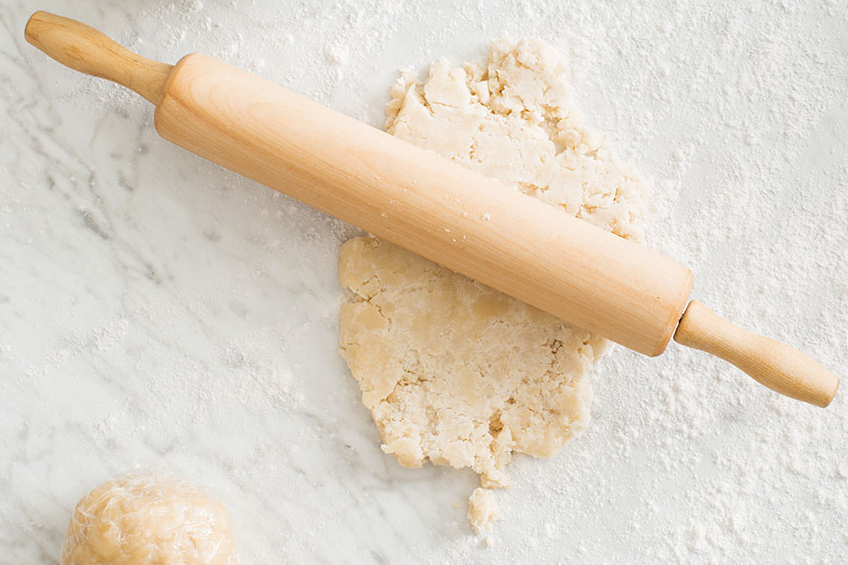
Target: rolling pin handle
771	363
86	50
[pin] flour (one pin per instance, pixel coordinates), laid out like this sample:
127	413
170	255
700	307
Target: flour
737	109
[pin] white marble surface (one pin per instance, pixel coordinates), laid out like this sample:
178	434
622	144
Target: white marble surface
159	312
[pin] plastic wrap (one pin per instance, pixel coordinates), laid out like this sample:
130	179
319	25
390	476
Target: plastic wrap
149	519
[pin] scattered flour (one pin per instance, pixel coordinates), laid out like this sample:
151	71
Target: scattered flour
738	110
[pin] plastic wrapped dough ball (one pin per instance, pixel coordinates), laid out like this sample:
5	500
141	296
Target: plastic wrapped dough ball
149	520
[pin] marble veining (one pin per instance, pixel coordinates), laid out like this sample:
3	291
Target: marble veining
158	312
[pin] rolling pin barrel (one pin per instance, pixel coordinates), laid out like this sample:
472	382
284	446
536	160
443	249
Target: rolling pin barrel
420	201
436	208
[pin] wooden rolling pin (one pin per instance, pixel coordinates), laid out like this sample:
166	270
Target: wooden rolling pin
429	205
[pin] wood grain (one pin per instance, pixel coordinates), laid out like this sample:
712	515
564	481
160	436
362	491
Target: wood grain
771	363
420	201
89	51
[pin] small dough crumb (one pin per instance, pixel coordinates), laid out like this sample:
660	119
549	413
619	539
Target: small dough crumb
453	372
149	520
483	510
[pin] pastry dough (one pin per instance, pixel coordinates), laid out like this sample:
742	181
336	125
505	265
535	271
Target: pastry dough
149	520
452	371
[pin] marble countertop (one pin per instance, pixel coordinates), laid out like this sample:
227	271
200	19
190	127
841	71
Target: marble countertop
158	312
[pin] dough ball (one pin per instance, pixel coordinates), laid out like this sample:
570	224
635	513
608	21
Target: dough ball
453	372
149	520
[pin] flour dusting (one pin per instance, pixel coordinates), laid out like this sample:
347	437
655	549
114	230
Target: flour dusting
199	324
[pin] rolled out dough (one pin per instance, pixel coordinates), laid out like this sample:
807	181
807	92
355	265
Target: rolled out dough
452	371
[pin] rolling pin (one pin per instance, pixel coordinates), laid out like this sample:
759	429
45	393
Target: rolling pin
431	206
